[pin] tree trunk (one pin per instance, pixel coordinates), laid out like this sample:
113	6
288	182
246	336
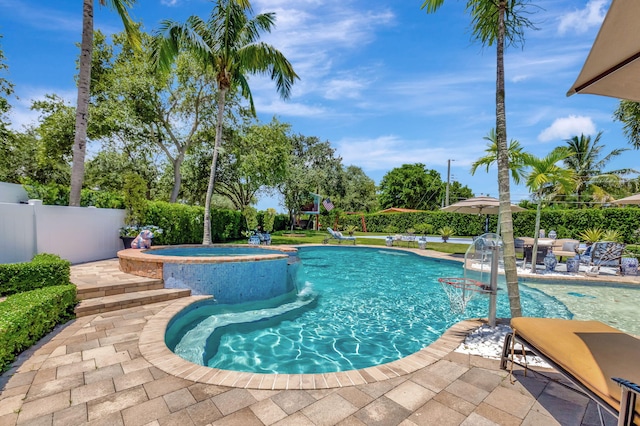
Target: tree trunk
177	178
206	239
82	107
506	219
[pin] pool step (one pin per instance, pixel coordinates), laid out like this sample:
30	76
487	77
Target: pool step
94	290
125	300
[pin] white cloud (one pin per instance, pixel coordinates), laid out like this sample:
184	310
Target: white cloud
581	20
567	127
386	152
169	3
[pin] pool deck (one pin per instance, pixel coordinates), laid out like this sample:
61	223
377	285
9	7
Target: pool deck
112	369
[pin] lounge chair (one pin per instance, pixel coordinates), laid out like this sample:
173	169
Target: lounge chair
600	360
604	253
337	236
565	247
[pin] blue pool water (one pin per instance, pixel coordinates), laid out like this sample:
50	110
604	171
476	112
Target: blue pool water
355	307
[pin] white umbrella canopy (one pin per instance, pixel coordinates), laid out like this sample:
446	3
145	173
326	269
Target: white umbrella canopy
633	199
479	205
612	67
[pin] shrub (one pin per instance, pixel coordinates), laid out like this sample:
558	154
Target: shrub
26	317
43	271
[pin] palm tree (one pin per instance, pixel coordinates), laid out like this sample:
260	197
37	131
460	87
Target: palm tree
84	85
546	179
228	43
500	22
517	157
585	162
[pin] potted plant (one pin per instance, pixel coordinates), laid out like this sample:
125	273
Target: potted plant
446	232
251	218
350	229
135	203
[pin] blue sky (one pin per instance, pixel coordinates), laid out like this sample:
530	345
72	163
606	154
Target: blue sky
384	82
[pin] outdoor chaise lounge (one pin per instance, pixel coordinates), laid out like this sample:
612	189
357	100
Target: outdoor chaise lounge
337	236
604	253
600	360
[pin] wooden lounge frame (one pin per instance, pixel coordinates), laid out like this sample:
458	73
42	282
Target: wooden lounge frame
603	362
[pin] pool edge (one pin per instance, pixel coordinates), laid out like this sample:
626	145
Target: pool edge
153	348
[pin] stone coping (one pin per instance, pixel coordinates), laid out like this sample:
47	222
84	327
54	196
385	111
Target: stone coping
142	263
154	349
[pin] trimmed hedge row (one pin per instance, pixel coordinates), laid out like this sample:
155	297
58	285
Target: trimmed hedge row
183	224
43	271
28	316
567	223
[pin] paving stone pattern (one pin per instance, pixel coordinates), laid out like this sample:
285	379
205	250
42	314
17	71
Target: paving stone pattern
91	371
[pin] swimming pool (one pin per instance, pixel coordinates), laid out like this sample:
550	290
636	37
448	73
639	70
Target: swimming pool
356	307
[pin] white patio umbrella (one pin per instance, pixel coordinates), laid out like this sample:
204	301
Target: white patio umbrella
632	199
479	205
612	67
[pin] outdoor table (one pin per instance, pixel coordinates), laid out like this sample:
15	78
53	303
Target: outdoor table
544	244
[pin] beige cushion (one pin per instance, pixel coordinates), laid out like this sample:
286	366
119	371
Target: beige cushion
592	352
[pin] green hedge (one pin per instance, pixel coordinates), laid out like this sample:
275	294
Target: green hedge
27	317
183	224
567	223
43	271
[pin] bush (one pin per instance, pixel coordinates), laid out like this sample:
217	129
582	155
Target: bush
26	317
43	271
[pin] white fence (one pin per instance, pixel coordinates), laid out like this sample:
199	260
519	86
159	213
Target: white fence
78	234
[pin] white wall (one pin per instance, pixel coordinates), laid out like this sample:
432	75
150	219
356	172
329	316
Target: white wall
78	234
12	193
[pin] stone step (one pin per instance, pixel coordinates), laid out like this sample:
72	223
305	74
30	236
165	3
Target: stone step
128	300
104	288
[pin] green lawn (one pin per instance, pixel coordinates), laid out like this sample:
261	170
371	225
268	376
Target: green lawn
317	237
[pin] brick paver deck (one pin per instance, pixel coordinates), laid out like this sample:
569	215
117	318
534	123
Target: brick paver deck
105	370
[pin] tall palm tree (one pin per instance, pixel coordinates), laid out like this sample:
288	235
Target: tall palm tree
84	85
228	42
546	179
515	151
501	22
587	165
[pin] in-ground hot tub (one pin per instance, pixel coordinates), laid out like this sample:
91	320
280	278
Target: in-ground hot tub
231	273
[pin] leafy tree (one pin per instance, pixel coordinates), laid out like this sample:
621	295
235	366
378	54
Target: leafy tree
515	151
359	191
172	111
253	160
457	192
229	43
84	85
313	167
501	22
628	113
546	179
588	167
6	90
411	186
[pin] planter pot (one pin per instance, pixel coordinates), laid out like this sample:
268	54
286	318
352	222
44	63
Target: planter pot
573	265
629	266
550	261
389	241
127	241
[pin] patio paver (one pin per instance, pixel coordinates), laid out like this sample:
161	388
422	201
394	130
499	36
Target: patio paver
82	373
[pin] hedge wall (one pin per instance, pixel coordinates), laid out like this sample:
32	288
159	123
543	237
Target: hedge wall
183	224
43	271
26	317
567	223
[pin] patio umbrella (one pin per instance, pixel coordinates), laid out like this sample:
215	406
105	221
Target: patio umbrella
479	205
633	199
612	67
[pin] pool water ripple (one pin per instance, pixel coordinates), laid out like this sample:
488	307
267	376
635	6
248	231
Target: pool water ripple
357	307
